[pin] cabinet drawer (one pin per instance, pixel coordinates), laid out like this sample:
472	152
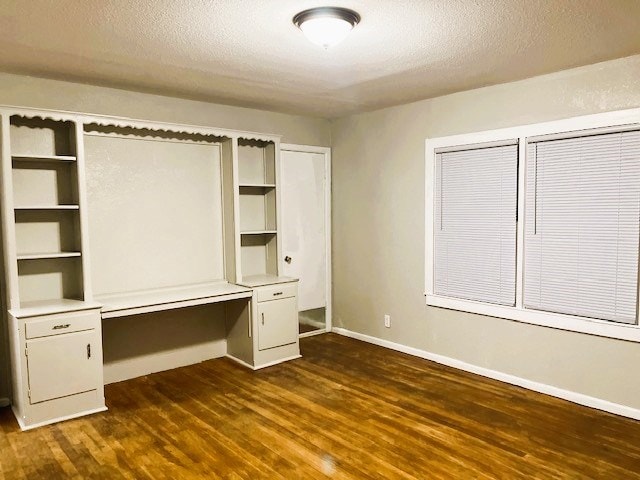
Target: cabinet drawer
283	290
63	323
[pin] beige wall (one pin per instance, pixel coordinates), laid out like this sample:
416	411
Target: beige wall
42	93
378	231
137	345
378	224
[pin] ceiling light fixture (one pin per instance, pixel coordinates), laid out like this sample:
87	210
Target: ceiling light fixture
326	26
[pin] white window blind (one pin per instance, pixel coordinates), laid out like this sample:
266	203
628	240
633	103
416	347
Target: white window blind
582	226
475	224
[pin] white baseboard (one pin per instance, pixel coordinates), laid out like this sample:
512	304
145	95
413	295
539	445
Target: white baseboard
264	365
4	402
574	397
312	333
24	427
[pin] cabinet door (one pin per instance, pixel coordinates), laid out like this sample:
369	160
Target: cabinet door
63	365
277	323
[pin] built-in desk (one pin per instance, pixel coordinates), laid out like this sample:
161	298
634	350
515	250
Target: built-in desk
261	331
152	190
166	299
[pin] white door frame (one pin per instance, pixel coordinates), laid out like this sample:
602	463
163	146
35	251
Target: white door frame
326	151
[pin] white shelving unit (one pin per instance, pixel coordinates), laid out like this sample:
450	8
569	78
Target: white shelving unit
56	170
45	182
54	327
258	201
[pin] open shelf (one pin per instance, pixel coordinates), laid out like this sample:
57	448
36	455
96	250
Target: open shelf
44	183
256	162
258	254
257	185
258	232
43	158
41	256
257	209
47	230
44	138
46	199
47	207
50	279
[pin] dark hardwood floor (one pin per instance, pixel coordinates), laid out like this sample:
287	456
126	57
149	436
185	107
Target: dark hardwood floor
345	410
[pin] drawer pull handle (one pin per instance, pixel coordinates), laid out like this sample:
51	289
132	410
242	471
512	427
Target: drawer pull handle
263	318
277	293
88	350
61	326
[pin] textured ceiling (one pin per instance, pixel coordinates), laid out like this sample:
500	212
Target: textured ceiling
248	53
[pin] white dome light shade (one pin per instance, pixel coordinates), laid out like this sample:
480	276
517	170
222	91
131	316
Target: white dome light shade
326	31
326	26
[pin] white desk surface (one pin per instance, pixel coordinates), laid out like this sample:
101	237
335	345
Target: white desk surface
50	307
262	280
169	298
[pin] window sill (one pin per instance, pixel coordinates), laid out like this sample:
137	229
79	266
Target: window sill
570	323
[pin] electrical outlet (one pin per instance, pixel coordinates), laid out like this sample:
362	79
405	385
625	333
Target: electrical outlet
387	321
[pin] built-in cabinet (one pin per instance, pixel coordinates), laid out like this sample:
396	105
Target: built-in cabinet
54	326
69	183
275	308
57	366
265	331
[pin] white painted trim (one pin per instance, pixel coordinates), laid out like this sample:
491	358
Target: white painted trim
568	125
622	118
276	362
312	333
8	212
521	208
292	147
240	362
326	151
4	402
116	121
429	215
24	427
591	326
83	202
575	397
264	365
278	193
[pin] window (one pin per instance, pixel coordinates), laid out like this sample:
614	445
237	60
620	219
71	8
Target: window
475	233
538	223
581	233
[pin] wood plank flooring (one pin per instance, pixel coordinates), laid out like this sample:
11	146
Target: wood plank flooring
347	410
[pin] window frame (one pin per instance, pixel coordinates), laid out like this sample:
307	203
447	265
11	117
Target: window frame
565	128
